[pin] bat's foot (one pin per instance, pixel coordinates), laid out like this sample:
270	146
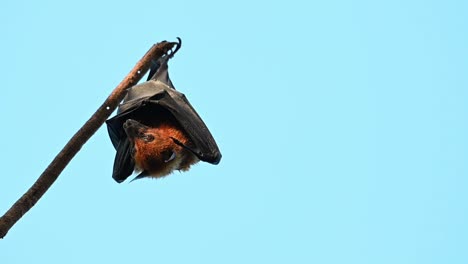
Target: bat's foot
178	45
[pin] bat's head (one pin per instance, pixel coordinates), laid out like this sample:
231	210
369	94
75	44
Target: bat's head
155	150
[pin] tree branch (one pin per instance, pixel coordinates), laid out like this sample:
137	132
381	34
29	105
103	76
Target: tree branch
51	173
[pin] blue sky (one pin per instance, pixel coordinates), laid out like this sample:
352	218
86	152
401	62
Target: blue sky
342	126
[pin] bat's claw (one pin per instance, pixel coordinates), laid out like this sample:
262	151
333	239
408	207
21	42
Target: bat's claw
178	44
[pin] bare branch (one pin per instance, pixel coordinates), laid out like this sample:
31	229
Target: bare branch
51	173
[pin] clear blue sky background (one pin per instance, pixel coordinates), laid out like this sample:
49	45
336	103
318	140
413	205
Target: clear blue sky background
342	126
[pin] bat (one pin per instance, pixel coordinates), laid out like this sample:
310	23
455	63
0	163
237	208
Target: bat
156	130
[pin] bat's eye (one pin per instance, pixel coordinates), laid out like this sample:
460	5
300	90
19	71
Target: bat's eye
148	138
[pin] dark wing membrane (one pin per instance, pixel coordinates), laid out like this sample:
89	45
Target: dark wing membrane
159	72
133	101
115	124
114	130
153	68
162	72
176	103
123	163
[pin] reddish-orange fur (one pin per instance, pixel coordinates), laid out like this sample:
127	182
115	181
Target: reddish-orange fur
152	157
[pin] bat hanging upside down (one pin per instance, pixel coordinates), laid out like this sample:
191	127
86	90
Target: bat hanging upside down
157	131
155	150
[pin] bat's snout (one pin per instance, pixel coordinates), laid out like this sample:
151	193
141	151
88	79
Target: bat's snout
133	128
